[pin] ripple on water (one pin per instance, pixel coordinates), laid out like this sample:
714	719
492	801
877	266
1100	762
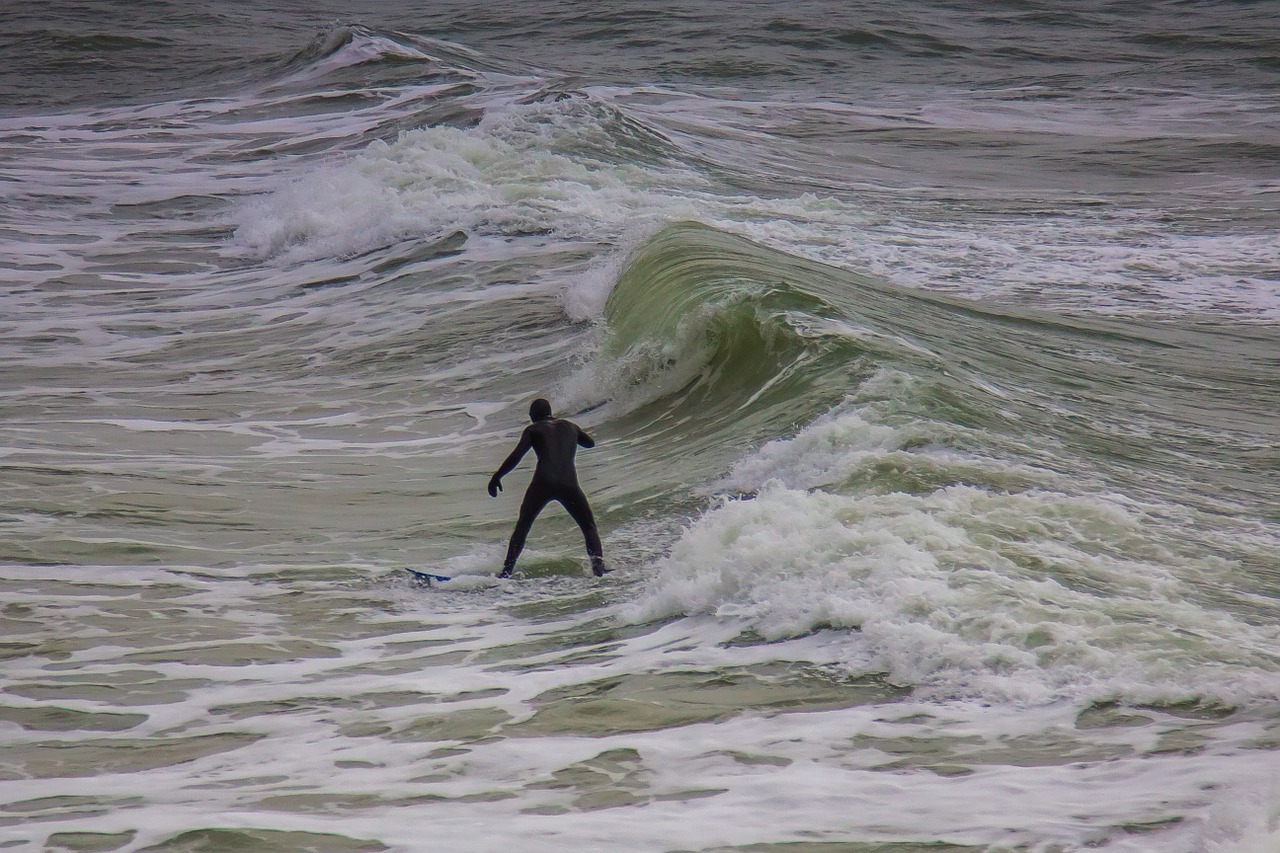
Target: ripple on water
128	687
57	719
81	758
63	807
90	842
262	841
640	702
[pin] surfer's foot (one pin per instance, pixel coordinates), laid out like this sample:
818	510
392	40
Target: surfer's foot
599	569
505	573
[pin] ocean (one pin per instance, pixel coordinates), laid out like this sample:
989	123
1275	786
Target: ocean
931	353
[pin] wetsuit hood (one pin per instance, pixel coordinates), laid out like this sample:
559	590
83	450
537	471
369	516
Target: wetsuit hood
539	409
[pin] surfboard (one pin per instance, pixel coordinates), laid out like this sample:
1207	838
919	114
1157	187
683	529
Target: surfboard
427	577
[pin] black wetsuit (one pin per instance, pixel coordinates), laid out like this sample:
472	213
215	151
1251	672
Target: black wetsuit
555	442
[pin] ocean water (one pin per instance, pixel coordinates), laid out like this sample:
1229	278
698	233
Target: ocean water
931	352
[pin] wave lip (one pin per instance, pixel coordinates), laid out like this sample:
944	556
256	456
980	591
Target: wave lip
708	320
346	48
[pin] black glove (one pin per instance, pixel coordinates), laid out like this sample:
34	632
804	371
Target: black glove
495	486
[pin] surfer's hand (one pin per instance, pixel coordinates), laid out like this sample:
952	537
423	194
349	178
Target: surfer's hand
495	486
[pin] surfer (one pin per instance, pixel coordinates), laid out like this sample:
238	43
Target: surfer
555	442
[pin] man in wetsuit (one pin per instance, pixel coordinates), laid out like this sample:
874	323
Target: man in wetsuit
555	442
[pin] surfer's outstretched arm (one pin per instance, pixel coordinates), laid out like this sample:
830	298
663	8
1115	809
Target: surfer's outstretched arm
512	460
584	440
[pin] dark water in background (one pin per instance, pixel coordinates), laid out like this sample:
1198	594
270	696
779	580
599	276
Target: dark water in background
931	350
90	53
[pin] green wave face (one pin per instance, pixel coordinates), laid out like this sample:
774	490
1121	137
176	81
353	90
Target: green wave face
711	348
709	329
722	343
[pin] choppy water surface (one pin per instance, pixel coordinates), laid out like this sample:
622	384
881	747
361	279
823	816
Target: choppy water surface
930	352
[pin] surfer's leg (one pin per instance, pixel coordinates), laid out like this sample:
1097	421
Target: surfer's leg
535	498
576	503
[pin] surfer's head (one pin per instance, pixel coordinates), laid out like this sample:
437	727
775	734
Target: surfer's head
539	409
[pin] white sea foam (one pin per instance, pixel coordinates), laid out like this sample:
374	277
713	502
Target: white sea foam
524	169
1026	596
360	744
1248	821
